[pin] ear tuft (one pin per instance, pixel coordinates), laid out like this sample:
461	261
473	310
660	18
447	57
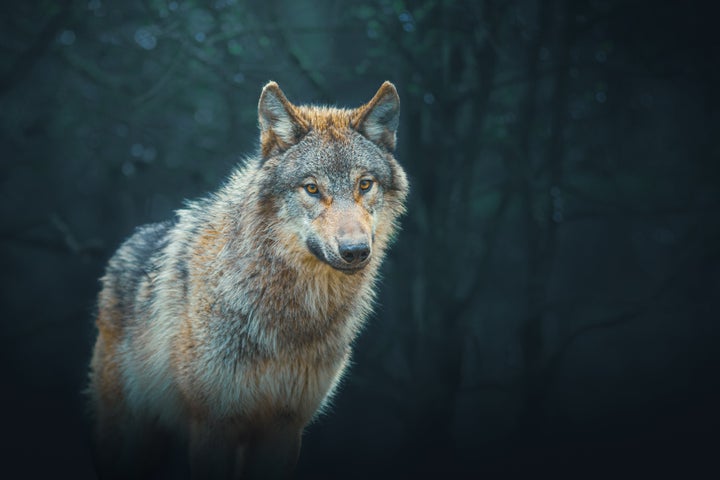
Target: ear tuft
280	125
378	119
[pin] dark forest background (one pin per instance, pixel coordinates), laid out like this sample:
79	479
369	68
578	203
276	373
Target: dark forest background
552	304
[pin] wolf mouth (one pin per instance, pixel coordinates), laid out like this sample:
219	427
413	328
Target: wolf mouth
316	250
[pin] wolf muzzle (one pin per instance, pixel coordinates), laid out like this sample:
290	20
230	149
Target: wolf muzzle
354	254
351	255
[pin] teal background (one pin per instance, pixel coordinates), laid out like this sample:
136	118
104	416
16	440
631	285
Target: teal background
552	302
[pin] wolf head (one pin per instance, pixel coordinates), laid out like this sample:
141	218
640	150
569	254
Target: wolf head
331	176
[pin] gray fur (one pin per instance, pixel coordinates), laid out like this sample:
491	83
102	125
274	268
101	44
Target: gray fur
235	320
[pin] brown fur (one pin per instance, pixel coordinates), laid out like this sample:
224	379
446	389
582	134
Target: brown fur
231	327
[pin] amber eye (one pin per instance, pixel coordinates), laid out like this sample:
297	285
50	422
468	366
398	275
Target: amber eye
311	188
365	185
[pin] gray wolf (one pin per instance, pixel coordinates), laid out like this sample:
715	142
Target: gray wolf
228	328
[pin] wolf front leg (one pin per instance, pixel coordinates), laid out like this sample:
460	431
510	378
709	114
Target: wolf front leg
124	445
273	452
218	451
126	448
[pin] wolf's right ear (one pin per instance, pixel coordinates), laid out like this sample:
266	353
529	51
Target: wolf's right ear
378	119
280	125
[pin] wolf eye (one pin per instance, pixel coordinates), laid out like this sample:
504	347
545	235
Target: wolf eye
365	185
311	188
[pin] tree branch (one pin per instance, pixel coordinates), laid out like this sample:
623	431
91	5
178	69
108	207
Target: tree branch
622	319
25	61
67	243
292	53
640	308
491	233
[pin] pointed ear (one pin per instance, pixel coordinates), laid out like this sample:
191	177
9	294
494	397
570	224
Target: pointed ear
378	119
280	125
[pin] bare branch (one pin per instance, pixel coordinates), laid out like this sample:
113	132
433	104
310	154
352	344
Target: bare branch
640	307
162	81
90	71
25	61
308	73
67	243
491	233
622	319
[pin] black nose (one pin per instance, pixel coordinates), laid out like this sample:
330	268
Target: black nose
354	253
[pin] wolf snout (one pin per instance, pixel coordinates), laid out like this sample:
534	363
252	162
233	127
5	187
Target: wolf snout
354	253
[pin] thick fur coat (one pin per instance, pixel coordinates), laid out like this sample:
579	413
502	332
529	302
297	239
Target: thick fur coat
228	327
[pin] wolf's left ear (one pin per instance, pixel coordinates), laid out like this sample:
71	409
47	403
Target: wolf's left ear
280	125
378	119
